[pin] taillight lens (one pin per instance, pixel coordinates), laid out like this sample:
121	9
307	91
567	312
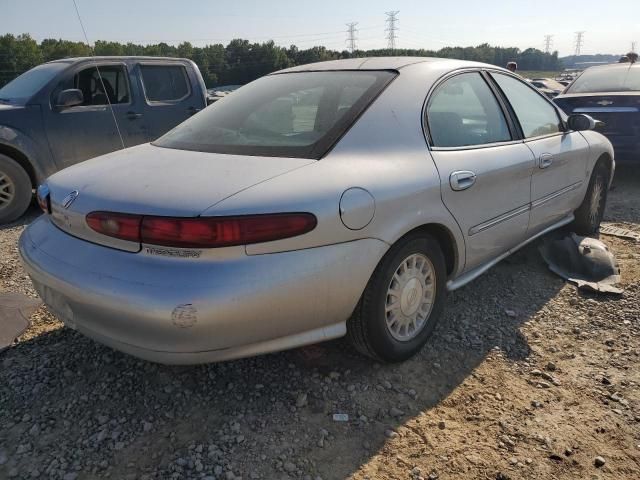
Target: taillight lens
44	198
202	232
117	225
224	231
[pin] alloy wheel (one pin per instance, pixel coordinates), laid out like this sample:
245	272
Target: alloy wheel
410	297
595	205
7	190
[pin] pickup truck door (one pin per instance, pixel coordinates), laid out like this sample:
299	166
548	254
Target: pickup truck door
94	128
561	156
485	172
172	93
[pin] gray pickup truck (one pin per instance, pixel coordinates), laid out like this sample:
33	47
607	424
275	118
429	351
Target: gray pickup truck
62	112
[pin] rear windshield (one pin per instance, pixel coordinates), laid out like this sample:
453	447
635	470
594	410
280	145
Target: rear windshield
29	83
284	115
608	79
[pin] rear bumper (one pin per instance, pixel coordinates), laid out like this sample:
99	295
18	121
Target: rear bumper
188	310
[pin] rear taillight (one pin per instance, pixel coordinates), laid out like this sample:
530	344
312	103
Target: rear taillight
117	225
44	198
202	232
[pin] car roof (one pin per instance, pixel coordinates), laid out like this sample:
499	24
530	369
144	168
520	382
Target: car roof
106	58
380	63
612	66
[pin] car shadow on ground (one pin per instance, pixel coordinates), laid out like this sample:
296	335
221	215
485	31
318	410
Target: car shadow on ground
249	415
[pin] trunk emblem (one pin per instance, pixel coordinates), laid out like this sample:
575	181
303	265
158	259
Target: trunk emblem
604	103
69	199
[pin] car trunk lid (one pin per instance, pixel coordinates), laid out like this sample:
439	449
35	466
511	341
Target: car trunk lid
149	180
620	112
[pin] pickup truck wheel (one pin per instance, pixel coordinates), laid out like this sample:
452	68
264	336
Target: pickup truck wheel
402	302
590	212
15	190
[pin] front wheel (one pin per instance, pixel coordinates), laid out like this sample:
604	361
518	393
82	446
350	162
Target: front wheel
15	190
590	212
402	302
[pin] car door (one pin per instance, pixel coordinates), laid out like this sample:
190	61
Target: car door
169	97
95	127
561	156
484	168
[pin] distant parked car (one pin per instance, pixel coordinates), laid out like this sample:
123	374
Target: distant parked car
550	87
58	114
342	197
611	94
216	93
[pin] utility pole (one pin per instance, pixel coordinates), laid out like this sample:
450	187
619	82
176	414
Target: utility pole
351	36
392	19
548	41
633	46
579	43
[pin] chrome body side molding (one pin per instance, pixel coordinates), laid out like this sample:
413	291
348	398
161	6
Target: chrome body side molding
476	272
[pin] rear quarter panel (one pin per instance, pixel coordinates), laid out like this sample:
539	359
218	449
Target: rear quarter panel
385	153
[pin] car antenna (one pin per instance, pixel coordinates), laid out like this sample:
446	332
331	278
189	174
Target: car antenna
86	38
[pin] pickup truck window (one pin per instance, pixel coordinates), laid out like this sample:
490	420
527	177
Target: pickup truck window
25	86
164	83
114	78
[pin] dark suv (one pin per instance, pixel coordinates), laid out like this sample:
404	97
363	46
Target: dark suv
66	111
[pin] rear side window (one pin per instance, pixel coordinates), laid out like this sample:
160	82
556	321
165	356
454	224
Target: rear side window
163	83
464	112
537	117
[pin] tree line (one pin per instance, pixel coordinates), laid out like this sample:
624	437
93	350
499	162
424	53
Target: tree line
242	61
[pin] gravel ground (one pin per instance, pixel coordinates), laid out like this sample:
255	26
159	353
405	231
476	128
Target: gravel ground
525	378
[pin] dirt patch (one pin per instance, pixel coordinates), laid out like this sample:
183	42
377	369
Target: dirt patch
525	378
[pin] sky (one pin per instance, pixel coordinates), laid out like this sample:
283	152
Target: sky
609	26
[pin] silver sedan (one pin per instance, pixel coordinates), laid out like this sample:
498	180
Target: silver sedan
336	198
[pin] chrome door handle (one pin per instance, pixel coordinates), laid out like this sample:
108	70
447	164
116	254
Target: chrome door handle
546	159
462	180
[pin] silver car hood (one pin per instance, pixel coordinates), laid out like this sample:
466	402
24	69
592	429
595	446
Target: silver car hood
152	180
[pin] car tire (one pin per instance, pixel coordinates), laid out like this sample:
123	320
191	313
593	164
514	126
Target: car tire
385	324
15	190
590	212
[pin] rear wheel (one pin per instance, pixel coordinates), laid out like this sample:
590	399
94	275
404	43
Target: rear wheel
15	190
402	302
590	212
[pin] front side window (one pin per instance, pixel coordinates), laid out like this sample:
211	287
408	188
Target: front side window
164	83
287	115
112	88
537	117
464	112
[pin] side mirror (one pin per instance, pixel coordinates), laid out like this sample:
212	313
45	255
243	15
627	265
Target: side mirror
70	98
579	122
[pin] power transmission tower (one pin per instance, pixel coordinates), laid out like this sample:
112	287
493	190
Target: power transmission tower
392	19
579	43
351	36
548	41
